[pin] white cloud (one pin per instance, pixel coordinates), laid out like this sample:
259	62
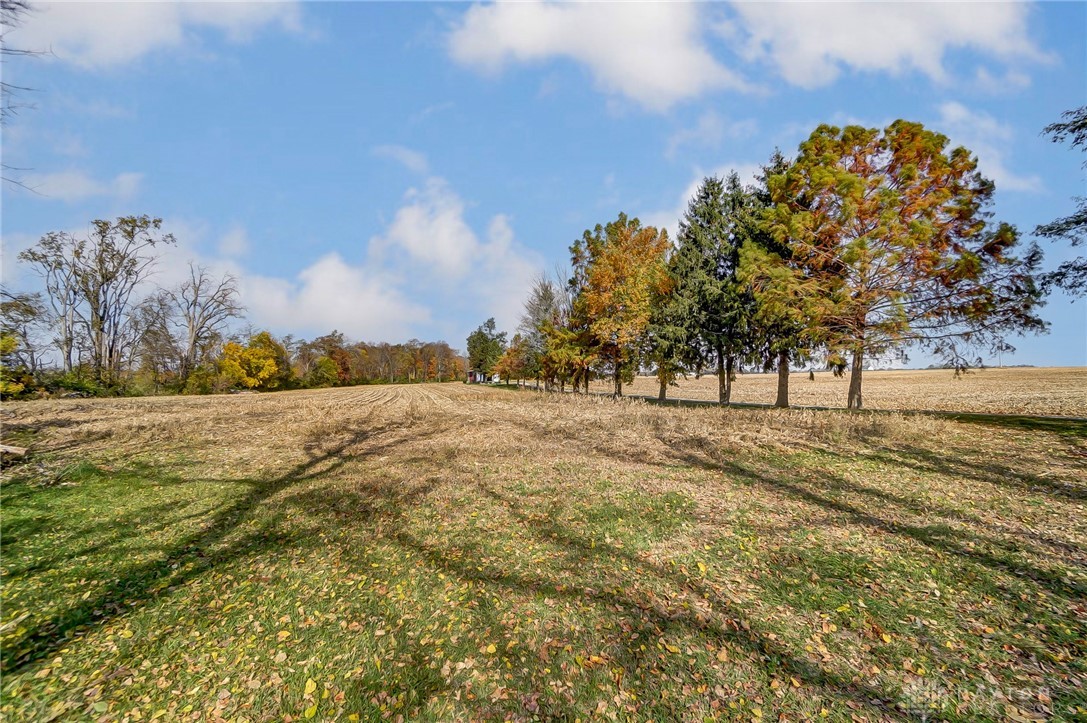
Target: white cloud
669	218
332	294
652	53
709	132
431	228
72	185
811	42
234	243
429	271
99	35
430	110
97	108
987	138
13	274
70	145
412	160
504	274
1010	81
362	301
431	242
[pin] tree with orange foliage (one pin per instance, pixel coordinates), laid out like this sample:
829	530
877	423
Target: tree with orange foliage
514	360
890	244
621	268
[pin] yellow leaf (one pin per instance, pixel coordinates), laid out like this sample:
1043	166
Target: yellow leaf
310	686
701	567
126	634
886	638
311	711
491	648
671	648
283	635
795	682
722	655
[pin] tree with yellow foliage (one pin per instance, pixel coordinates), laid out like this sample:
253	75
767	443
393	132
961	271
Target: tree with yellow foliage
620	268
253	366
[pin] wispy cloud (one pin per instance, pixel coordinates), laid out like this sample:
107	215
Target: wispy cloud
710	131
74	185
987	138
668	218
412	160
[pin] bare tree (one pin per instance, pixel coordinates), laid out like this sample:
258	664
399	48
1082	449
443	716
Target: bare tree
204	305
108	272
11	16
53	258
157	349
90	284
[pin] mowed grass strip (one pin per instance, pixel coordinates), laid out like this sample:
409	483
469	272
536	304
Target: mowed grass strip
455	553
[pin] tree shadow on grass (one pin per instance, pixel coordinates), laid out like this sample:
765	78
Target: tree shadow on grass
940	537
1071	428
215	544
699	609
935	464
153	518
991	472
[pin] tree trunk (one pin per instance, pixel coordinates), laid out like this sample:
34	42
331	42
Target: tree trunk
663	393
783	380
586	381
618	382
730	362
854	400
722	378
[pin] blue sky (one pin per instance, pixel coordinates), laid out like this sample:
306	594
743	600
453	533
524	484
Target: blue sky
399	170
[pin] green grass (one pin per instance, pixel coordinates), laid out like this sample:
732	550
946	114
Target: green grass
865	580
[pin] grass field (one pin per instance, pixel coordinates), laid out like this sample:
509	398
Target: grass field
1060	391
446	552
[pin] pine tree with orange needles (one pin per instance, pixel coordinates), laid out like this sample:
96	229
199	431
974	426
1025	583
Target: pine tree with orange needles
891	244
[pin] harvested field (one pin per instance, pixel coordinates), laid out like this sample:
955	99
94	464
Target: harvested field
1060	391
447	552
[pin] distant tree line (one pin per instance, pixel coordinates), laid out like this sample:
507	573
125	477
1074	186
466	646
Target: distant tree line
866	243
100	327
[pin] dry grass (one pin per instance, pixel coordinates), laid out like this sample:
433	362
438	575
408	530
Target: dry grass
253	434
1060	391
453	552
